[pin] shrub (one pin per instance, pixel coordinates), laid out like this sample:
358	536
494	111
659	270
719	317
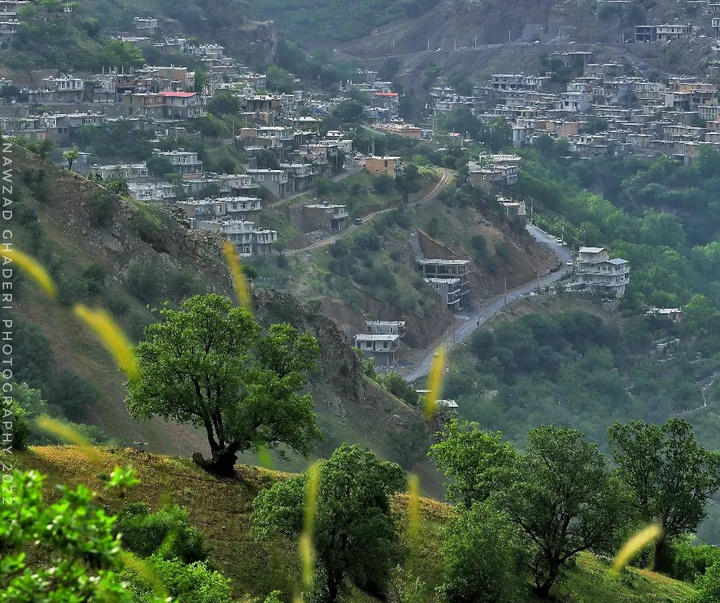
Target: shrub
118	306
167	533
71	393
15	427
145	281
149	227
94	278
182	283
101	208
25	215
383	184
193	583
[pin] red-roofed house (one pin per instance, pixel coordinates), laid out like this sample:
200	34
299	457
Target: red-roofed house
388	100
182	105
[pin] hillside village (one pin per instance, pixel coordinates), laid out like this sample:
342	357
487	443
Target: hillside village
496	290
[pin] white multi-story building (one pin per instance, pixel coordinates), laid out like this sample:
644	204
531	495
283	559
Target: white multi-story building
183	162
595	271
248	240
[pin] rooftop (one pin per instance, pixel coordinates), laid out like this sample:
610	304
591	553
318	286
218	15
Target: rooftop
381	337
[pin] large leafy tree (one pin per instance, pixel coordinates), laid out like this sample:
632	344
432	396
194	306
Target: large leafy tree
559	492
671	476
355	532
483	557
475	461
208	364
564	498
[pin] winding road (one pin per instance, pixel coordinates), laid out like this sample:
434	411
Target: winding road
445	178
466	324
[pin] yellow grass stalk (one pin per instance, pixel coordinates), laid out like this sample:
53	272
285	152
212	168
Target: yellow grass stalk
68	434
414	507
264	457
307	551
633	546
112	337
238	278
435	379
34	270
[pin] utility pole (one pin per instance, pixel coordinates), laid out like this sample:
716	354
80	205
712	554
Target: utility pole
428	44
475	41
393	43
537	279
505	294
509	36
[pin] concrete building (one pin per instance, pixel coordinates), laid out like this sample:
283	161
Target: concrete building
324	216
183	162
382	347
646	33
494	169
386	327
595	271
672	31
248	240
383	165
449	278
274	180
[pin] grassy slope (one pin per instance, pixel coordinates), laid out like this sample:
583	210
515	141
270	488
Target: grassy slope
221	508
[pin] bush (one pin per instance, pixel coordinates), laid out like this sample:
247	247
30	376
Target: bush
15	427
397	386
149	226
145	281
482	555
71	393
502	250
181	284
166	534
383	184
118	306
94	278
193	583
101	208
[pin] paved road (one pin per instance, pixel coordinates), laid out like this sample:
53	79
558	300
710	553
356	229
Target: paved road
444	179
466	324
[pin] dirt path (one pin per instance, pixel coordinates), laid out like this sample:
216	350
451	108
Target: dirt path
445	178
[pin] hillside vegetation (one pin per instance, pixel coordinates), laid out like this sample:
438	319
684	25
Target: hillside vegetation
129	257
220	509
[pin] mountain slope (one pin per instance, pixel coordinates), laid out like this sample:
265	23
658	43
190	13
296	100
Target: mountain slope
148	256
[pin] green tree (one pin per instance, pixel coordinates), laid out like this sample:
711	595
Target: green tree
159	166
564	499
202	79
207	364
700	315
70	156
482	554
279	80
475	461
707	586
670	475
349	111
398	386
224	103
355	533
